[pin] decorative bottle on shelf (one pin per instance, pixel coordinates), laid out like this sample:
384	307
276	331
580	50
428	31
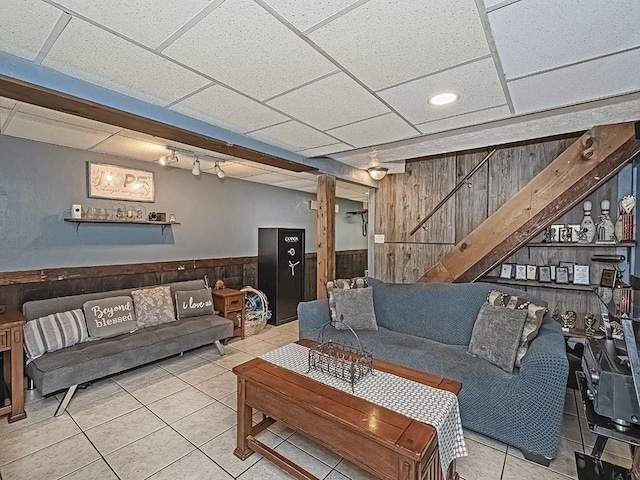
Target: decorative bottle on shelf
605	228
587	225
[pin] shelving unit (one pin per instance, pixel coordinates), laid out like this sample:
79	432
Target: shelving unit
79	221
626	244
534	283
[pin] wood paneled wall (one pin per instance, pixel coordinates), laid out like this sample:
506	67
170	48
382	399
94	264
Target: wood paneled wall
404	199
19	287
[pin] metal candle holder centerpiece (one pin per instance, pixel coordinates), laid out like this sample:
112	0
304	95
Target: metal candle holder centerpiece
342	361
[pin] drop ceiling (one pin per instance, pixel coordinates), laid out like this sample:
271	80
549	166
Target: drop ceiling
335	77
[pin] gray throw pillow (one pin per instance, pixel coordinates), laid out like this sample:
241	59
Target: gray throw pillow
354	307
153	306
53	332
194	303
496	335
109	317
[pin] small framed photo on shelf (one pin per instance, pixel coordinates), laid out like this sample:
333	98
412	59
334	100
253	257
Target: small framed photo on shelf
532	272
569	266
544	274
562	275
566	234
521	272
506	271
576	229
608	278
581	275
553	273
556	231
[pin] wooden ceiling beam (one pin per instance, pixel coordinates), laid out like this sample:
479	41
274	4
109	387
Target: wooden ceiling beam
48	98
589	162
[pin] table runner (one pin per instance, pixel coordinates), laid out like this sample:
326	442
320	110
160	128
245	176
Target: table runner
423	403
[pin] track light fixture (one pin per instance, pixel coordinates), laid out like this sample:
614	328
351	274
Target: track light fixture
196	167
168	159
219	170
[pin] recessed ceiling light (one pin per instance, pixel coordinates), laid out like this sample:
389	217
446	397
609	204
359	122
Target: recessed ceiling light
443	98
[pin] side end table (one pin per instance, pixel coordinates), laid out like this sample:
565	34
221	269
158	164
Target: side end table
11	348
230	304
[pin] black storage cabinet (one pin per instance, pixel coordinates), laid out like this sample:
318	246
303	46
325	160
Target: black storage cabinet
281	271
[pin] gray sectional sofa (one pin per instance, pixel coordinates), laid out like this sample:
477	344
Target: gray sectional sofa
69	367
428	327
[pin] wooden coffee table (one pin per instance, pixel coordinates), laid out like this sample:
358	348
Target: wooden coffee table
383	442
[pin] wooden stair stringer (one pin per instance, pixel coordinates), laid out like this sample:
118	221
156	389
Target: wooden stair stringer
584	166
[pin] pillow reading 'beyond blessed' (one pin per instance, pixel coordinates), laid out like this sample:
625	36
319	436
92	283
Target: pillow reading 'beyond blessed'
109	317
194	303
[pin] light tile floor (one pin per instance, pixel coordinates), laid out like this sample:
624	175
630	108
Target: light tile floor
175	419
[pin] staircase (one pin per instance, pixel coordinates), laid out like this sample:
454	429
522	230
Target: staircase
588	163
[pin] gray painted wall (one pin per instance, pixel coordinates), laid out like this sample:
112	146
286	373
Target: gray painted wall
219	218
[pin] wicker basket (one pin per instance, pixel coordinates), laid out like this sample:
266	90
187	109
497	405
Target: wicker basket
255	326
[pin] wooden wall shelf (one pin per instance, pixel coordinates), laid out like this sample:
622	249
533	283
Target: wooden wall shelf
79	221
532	283
626	244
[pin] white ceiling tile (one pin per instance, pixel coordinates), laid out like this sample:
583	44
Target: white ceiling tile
243	46
149	22
477	83
600	78
99	57
25	25
131	148
386	128
66	118
7	103
270	178
51	131
491	3
304	15
464	120
385	42
293	135
319	151
533	35
295	184
240	170
224	107
330	102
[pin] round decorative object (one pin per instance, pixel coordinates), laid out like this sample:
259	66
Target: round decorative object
587	225
172	218
256	311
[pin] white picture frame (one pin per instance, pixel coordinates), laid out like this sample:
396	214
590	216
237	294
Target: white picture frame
506	271
521	272
532	272
581	275
120	183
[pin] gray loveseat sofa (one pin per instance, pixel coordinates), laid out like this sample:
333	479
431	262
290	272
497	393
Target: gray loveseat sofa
428	327
69	367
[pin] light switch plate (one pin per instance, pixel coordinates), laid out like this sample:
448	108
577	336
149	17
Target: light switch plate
378	238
